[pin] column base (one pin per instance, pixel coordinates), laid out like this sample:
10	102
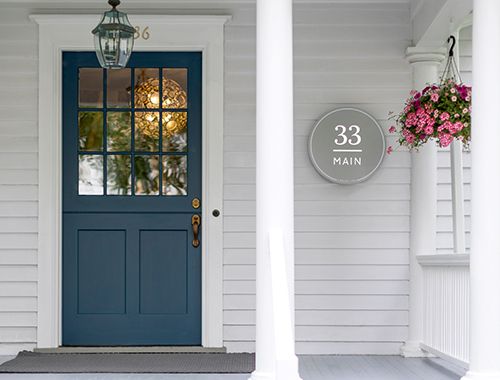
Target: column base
286	373
481	376
412	350
262	376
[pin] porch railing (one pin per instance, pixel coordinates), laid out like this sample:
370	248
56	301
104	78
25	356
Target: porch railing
446	306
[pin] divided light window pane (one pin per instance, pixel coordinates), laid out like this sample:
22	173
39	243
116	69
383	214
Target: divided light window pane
90	88
118	88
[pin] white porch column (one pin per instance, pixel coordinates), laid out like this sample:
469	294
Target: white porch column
275	185
485	244
425	64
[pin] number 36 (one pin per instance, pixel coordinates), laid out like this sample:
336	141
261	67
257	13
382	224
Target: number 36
342	139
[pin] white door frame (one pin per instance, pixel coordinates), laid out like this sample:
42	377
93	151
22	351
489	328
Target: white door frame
58	33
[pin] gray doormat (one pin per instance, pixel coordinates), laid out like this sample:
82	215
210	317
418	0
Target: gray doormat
33	362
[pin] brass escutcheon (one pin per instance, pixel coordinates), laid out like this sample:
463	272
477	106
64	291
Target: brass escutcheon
195	203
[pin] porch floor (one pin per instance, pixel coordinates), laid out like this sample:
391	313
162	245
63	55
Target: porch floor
314	367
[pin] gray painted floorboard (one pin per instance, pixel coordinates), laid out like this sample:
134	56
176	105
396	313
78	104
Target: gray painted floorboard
317	367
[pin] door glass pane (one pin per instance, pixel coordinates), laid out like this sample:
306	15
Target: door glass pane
174	131
147	174
147	88
90	130
174	175
119	131
90	172
118	94
119	177
175	88
147	131
90	85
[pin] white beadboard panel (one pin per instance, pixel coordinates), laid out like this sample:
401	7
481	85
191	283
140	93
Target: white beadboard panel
446	310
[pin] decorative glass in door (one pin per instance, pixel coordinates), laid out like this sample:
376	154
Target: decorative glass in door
133	128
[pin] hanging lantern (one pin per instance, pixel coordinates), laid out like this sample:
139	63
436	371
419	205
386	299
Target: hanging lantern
114	38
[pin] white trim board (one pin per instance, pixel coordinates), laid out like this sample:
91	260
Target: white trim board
58	33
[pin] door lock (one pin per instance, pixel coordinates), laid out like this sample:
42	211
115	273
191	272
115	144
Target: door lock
195	223
195	203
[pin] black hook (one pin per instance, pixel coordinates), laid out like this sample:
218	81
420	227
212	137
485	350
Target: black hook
114	3
453	42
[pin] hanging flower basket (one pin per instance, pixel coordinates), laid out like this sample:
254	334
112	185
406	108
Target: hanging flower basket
440	112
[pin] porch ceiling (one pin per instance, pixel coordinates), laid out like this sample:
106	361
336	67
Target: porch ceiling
182	3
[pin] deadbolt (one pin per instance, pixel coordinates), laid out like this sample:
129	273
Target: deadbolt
195	203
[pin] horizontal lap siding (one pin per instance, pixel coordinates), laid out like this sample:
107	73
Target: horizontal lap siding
445	210
18	181
351	242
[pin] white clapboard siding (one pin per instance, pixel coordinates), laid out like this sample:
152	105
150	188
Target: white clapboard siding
444	221
18	180
351	242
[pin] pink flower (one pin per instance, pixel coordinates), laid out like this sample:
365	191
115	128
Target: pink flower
429	130
467	98
458	126
465	110
436	113
444	116
389	150
445	139
457	116
453	98
453	90
392	129
410	138
434	97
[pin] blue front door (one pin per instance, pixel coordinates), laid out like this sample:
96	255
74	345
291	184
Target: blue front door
131	195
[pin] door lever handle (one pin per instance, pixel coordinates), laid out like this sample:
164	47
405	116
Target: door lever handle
195	223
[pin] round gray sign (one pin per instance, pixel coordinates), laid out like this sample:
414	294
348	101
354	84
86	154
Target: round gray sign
347	146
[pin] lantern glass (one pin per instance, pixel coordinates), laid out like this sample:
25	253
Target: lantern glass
114	40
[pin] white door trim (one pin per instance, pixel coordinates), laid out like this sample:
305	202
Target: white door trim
58	33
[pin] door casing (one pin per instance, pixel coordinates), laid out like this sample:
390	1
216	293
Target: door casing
58	33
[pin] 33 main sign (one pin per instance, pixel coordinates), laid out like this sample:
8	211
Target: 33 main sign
347	146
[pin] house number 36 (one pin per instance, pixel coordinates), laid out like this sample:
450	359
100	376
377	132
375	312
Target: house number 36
144	33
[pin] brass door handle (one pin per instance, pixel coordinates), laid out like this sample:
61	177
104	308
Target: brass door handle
195	223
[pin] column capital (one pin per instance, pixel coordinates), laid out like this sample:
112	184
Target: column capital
427	55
